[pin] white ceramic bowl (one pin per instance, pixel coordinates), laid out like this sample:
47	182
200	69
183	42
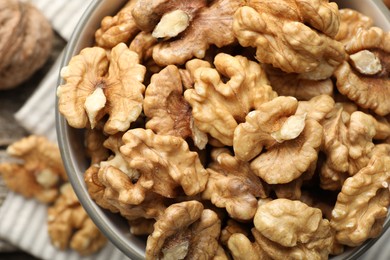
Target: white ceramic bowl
72	144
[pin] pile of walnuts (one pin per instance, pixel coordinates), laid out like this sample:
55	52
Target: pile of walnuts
237	129
35	171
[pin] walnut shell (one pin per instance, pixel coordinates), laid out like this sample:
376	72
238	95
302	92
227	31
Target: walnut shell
25	42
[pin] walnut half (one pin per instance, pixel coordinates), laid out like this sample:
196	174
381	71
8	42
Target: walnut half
185	231
285	134
187	28
40	172
164	163
364	78
70	227
361	206
219	106
291	229
167	111
295	36
98	84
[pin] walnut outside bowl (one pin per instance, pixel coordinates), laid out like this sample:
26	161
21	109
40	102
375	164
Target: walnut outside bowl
71	141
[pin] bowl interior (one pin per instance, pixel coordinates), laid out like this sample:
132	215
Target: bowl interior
71	141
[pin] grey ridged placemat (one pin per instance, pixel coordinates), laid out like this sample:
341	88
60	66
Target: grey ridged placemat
3	191
3	188
4	246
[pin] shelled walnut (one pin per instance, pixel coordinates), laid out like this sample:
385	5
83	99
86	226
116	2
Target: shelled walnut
242	248
70	227
361	206
233	185
295	36
348	145
118	28
285	228
276	127
39	171
184	230
364	78
169	167
218	107
290	84
350	22
94	84
167	111
187	28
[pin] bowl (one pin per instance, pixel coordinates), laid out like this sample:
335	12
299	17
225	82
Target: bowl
71	141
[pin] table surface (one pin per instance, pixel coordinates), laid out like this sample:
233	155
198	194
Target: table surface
10	102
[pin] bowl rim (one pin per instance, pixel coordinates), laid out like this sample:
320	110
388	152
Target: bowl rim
95	212
71	167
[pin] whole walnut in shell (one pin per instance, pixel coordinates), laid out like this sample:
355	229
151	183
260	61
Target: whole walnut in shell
25	42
